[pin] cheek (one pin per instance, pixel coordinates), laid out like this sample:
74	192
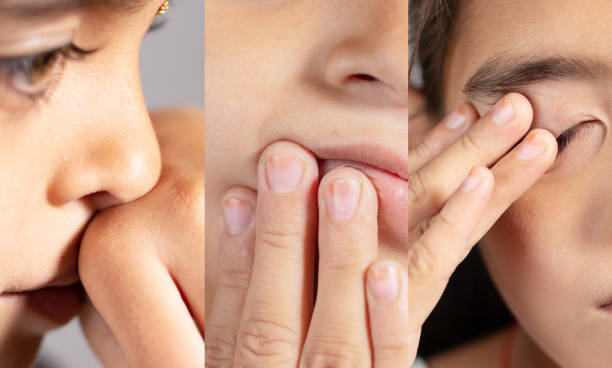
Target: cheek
535	252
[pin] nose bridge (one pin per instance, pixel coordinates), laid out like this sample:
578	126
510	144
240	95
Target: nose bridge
376	51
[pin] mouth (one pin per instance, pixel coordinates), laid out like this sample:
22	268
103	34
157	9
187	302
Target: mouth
386	170
386	159
57	301
57	304
606	307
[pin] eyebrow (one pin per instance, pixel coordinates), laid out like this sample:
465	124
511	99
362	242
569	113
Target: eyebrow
502	74
50	8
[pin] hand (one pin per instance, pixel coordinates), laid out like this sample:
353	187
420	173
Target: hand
264	314
142	263
446	217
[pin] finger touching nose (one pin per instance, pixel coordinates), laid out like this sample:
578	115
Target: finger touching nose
116	168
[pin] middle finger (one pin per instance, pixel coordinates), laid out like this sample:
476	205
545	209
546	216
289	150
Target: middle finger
485	143
279	299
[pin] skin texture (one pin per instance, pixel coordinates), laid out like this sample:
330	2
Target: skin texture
332	84
67	156
299	88
549	253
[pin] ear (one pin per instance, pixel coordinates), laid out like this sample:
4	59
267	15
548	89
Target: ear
419	120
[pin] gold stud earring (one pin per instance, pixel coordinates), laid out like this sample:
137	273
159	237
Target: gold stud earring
163	8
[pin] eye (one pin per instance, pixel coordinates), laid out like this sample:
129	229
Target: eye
33	75
565	138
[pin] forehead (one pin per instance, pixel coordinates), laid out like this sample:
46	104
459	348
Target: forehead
485	28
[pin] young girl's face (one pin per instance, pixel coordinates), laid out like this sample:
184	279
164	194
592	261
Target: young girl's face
75	138
329	75
550	254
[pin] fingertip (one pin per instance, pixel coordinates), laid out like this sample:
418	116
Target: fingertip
291	148
238	210
551	141
344	191
384	281
522	106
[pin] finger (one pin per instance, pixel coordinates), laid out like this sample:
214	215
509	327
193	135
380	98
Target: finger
235	261
482	145
184	254
279	299
442	136
516	173
138	298
387	293
436	254
100	338
348	244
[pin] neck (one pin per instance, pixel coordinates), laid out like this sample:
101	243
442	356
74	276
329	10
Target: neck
527	354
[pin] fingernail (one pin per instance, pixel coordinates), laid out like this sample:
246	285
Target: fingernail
284	172
342	197
383	282
471	181
238	215
531	147
456	119
503	112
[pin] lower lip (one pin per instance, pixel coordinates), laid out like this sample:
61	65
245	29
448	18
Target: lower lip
392	195
607	308
56	304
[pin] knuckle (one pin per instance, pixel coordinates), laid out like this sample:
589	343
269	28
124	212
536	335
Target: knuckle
265	338
422	263
334	351
219	352
450	226
282	239
232	278
416	189
417	232
343	264
469	142
424	150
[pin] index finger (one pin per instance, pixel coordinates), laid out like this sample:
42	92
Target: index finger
138	298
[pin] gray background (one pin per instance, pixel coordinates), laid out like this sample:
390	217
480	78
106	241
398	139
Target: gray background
172	69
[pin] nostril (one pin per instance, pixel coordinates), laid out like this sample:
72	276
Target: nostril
101	200
362	78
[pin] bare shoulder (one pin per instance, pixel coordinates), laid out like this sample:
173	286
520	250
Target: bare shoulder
483	352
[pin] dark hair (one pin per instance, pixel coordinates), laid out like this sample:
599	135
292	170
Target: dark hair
431	23
470	306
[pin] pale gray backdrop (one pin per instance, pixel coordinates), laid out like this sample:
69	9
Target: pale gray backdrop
172	69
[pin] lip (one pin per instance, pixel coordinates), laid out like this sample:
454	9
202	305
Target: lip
374	155
606	306
387	170
57	304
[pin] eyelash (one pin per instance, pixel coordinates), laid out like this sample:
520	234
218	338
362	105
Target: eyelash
24	67
564	139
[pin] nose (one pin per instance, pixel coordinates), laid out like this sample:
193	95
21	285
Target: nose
111	160
371	63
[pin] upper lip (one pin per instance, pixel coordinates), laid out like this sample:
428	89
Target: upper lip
383	157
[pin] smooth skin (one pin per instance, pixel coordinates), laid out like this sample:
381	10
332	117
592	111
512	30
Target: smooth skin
147	284
445	223
264	315
87	146
549	253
